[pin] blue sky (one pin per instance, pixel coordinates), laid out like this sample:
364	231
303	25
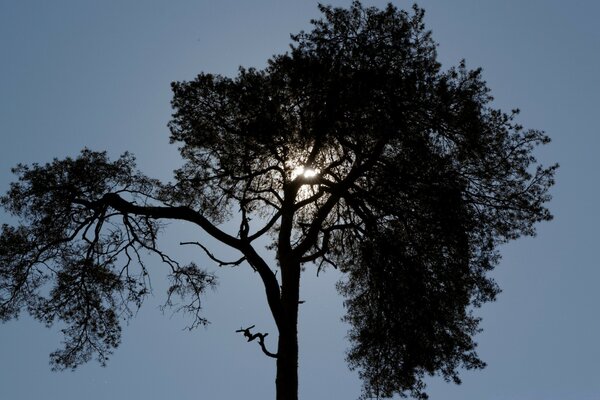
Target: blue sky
97	74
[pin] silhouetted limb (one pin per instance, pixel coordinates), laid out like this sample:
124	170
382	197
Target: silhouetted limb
215	259
261	339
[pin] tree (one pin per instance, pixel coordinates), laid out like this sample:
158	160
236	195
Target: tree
354	150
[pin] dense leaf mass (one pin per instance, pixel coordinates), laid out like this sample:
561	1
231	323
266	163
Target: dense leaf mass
353	150
427	179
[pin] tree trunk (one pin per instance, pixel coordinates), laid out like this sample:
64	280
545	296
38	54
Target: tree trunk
286	382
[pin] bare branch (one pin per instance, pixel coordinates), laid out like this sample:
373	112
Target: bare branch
265	228
213	257
261	339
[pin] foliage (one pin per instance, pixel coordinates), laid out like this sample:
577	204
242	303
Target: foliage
78	262
416	179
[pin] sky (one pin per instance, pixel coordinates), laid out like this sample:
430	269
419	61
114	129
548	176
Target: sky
94	74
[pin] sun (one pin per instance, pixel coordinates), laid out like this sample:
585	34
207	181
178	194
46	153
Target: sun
306	172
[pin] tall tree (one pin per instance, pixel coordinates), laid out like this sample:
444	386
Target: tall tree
354	150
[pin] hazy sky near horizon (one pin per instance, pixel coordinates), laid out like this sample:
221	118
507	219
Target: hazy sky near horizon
94	74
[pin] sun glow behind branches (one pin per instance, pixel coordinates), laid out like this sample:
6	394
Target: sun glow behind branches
308	184
306	172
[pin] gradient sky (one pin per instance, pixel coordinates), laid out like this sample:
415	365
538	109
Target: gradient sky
97	74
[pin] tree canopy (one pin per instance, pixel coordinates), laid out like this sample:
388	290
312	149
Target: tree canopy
354	150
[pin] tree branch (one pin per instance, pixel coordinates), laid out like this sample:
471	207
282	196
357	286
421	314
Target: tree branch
261	339
186	214
179	213
213	257
265	228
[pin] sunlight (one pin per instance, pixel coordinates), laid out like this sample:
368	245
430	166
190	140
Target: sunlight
306	172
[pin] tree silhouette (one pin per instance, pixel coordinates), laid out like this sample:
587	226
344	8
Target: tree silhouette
354	150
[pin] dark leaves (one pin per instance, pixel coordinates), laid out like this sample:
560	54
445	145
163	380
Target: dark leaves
77	261
86	298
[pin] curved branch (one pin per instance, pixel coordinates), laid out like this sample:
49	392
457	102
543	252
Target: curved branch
179	213
212	256
270	282
261	339
265	228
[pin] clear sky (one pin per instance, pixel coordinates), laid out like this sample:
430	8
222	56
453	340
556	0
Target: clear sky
97	74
